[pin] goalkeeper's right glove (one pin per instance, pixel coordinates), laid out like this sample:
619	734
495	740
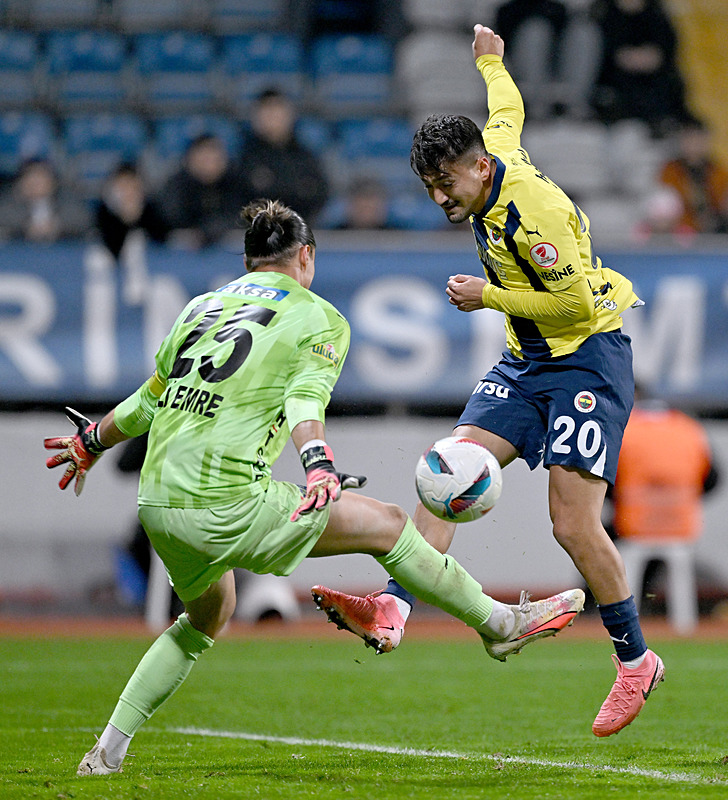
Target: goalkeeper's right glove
323	482
80	451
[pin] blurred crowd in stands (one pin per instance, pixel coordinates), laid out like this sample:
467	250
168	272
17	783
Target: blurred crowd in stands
117	115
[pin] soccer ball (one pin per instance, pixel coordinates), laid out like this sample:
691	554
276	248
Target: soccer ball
458	479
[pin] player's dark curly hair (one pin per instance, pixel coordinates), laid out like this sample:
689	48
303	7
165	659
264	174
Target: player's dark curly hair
443	139
274	233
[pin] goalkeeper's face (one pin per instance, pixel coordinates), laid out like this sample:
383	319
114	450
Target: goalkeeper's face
461	187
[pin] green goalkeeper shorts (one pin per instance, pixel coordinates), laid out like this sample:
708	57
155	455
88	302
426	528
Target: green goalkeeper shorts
199	545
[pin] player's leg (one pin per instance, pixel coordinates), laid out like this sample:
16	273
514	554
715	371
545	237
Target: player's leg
360	524
588	401
575	504
160	673
504	410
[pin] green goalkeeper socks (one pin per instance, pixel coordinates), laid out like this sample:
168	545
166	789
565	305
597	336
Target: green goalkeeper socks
439	580
160	672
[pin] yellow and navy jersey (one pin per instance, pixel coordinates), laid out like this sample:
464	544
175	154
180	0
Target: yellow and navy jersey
534	243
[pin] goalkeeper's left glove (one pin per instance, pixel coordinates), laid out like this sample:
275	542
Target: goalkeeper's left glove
80	451
323	482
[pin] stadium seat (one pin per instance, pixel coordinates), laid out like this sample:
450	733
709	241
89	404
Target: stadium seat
237	16
453	15
252	63
23	136
315	134
18	61
681	585
352	74
86	71
95	144
415	211
380	148
138	16
435	75
572	154
175	73
51	14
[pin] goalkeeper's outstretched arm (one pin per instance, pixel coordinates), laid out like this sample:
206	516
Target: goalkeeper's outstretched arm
130	418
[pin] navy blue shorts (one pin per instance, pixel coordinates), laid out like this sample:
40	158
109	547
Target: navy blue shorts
570	411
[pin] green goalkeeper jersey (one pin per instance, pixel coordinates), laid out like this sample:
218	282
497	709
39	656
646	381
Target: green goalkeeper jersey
241	367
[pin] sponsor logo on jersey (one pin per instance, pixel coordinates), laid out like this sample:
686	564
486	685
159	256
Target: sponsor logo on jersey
487	387
557	274
254	290
585	402
610	305
495	235
544	254
327	352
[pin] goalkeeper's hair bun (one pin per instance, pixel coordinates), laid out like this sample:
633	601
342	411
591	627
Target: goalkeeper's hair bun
274	232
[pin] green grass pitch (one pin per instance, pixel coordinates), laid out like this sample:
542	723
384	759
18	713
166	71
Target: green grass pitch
327	719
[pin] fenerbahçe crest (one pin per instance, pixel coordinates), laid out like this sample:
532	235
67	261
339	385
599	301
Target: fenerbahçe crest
585	402
326	351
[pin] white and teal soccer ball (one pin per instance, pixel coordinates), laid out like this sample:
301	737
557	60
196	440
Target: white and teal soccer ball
458	479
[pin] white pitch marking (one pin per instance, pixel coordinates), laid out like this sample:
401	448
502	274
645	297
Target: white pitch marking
674	777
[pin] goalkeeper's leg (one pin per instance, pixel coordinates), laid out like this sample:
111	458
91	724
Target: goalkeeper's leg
160	673
359	524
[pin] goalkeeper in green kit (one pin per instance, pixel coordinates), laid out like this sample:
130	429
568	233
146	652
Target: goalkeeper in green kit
243	368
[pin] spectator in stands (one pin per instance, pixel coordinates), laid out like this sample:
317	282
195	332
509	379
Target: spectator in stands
553	55
125	207
200	203
366	206
276	164
699	179
639	76
692	193
38	208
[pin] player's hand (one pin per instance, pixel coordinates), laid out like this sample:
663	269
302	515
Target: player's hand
466	292
79	451
323	482
487	43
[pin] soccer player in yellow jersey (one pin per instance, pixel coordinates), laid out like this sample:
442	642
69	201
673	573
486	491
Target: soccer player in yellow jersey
563	390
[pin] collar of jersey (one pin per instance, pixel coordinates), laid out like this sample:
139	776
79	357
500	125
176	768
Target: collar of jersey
257	277
500	171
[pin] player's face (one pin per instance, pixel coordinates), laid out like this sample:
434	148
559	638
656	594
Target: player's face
461	188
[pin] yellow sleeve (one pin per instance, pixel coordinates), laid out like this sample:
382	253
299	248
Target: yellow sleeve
505	105
573	303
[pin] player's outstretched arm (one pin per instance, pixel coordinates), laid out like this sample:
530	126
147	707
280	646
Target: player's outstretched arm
505	104
80	450
323	482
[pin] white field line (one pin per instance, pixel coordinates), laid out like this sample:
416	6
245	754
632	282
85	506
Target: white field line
295	741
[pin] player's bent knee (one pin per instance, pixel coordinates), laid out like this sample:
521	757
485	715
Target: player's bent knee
396	516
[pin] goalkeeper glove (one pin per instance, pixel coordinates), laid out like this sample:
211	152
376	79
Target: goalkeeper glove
80	451
323	482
